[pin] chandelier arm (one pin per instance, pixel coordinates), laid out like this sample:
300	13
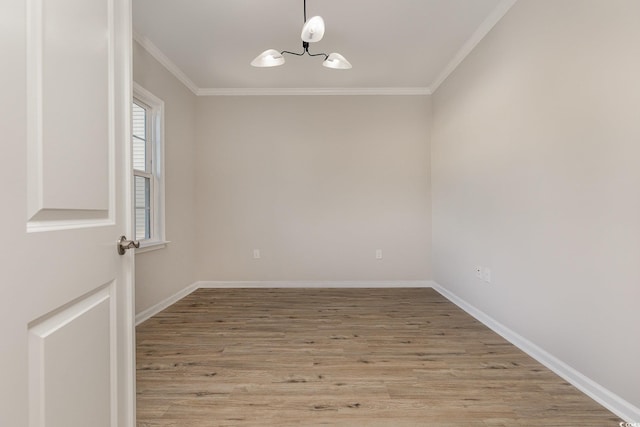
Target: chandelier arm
292	53
319	54
307	52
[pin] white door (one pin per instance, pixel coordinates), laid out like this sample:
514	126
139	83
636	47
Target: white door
66	301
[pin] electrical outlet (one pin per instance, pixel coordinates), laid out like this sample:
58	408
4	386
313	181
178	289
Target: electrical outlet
479	271
256	254
378	253
487	275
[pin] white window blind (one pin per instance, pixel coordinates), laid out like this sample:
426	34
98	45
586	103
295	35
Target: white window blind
139	122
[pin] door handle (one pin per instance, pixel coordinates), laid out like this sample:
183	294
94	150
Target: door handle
124	244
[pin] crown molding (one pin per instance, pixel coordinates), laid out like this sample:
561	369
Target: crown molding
484	28
313	91
155	52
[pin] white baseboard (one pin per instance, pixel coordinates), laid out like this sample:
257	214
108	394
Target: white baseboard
157	308
600	394
317	284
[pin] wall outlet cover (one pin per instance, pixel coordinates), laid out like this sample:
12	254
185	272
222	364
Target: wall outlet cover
487	275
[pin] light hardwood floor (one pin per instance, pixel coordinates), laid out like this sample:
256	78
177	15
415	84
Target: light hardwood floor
348	357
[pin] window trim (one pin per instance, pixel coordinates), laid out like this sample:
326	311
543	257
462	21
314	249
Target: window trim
147	173
155	141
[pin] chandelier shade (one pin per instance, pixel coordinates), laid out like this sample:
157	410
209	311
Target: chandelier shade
268	58
313	30
337	62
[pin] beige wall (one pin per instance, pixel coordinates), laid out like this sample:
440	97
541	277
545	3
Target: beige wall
536	174
317	183
162	273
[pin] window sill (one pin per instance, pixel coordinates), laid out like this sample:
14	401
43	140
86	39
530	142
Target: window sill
152	246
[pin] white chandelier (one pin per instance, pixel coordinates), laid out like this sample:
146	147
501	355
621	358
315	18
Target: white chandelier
312	31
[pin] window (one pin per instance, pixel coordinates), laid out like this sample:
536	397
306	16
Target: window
147	113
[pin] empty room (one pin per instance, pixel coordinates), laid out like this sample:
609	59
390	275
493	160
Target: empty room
320	212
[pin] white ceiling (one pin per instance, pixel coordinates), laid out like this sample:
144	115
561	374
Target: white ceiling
400	45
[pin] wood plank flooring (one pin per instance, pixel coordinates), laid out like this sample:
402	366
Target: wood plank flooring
347	357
